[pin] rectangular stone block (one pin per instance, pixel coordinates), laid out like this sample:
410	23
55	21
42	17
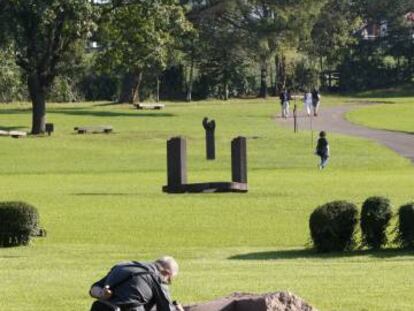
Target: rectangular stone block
239	160
176	161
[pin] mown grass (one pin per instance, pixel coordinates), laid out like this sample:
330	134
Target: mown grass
100	199
397	116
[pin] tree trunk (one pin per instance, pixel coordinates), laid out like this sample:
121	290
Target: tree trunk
272	82
190	81
280	62
157	94
37	95
136	83
126	89
263	79
226	90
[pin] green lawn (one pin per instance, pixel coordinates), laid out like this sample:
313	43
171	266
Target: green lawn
100	199
398	115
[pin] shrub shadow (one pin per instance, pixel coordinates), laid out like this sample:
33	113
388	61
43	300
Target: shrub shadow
312	254
98	194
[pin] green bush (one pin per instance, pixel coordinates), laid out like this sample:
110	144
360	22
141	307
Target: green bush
405	227
332	226
18	222
376	214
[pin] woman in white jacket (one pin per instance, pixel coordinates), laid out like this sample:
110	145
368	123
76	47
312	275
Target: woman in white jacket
307	102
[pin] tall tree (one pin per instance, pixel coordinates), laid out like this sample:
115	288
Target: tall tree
137	37
269	25
44	34
334	31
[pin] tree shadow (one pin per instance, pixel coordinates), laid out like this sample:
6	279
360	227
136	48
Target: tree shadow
109	104
12	128
312	254
15	111
78	112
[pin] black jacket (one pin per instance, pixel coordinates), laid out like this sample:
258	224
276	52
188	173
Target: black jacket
143	286
322	147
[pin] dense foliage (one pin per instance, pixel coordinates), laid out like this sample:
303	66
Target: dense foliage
332	226
46	37
405	229
376	214
170	49
18	222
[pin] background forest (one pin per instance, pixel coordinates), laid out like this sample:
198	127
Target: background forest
126	50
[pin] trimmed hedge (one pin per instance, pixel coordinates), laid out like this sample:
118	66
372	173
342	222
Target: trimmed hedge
332	226
18	222
405	227
376	214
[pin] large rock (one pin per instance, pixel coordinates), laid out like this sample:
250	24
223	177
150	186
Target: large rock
279	301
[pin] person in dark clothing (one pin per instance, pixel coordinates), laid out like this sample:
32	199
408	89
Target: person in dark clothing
322	150
135	286
285	98
316	100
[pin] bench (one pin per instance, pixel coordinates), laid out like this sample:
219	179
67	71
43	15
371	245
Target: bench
106	129
17	134
149	106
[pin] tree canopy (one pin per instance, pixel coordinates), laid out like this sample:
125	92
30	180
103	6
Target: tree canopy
190	49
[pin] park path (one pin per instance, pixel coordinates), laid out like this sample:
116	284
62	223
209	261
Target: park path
332	119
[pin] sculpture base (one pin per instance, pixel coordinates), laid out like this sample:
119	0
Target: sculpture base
207	187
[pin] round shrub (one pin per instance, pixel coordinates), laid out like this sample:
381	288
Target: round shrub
332	226
405	229
18	222
376	214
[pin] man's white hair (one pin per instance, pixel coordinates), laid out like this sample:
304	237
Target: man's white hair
169	264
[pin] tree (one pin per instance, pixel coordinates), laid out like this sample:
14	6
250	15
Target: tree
334	32
271	24
11	84
137	37
44	34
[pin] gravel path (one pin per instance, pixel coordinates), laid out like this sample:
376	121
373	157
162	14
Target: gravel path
333	120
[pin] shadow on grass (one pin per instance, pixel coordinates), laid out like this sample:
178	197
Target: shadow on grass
79	112
108	104
99	194
312	254
85	111
405	90
12	128
16	111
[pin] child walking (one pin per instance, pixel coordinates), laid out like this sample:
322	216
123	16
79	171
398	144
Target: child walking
322	149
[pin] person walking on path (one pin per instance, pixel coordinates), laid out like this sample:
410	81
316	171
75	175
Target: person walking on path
136	286
285	98
308	102
316	100
322	150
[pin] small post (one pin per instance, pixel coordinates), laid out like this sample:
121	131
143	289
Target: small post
239	160
50	128
295	118
210	127
311	130
176	161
